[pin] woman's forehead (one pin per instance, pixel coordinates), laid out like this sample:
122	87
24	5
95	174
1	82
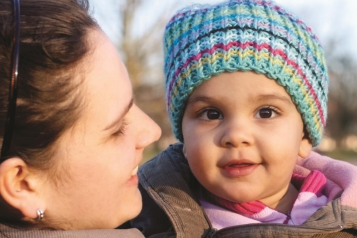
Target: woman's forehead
108	88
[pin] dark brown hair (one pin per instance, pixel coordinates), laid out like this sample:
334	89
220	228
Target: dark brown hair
53	43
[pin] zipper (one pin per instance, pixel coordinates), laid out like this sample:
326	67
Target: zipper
337	227
211	233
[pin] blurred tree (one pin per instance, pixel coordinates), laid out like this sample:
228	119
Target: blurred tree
140	45
142	53
342	120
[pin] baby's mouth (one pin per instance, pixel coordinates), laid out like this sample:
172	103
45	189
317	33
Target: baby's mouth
238	168
239	165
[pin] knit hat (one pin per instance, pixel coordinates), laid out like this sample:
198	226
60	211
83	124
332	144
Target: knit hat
202	41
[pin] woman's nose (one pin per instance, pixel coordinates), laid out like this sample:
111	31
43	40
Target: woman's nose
147	130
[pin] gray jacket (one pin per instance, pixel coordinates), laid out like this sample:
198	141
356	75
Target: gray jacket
171	207
7	232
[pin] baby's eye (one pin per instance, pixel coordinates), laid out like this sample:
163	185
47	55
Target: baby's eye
266	112
211	114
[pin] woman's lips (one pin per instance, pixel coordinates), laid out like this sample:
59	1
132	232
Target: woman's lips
238	168
134	180
134	177
135	171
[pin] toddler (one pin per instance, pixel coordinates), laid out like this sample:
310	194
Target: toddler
246	92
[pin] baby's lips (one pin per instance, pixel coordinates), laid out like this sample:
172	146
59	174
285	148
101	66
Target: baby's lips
238	163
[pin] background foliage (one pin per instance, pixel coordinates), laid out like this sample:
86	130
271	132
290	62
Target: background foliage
139	41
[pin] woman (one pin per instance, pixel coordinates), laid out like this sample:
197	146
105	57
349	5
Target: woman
70	160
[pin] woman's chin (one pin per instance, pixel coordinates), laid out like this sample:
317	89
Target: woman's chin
132	208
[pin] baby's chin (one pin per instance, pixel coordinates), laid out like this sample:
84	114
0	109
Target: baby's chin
238	197
243	196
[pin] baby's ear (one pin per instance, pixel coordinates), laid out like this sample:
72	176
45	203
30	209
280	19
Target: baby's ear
305	147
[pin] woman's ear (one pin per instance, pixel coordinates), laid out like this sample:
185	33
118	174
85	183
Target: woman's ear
19	187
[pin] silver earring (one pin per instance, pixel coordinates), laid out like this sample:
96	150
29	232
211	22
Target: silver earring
40	215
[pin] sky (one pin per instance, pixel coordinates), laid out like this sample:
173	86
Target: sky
332	18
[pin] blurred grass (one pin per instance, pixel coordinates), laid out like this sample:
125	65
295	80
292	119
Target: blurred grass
340	154
149	153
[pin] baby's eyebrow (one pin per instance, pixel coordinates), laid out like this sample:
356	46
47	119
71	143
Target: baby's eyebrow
198	99
266	97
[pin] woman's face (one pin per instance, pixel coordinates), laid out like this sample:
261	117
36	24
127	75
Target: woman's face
99	156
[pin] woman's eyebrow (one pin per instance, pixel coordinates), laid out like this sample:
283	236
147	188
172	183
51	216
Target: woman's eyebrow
126	110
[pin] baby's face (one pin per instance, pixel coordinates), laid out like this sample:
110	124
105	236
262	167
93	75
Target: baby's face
242	136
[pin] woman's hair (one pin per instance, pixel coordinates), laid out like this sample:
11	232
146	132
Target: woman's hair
54	41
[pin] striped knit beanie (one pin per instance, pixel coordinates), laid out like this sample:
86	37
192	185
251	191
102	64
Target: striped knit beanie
201	41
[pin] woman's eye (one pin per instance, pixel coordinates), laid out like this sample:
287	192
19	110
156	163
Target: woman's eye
118	132
121	130
211	114
266	113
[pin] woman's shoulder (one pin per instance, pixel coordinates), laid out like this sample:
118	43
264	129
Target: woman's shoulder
6	231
